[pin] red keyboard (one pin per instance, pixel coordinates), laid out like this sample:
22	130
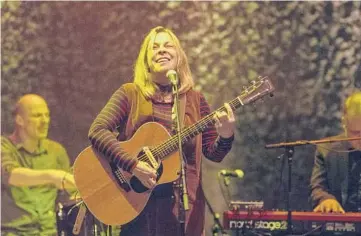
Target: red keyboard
301	221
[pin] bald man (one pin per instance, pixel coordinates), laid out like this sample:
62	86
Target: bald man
34	170
335	181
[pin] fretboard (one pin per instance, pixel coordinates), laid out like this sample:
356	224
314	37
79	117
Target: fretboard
170	145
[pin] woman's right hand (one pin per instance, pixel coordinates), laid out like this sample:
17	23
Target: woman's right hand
146	174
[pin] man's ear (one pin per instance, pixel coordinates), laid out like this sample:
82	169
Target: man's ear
19	120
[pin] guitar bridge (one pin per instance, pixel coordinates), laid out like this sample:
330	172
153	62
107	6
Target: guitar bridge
120	177
151	158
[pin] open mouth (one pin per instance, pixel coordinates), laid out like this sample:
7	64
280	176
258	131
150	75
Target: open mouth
162	59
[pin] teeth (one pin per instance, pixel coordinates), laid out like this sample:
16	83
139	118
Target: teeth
163	59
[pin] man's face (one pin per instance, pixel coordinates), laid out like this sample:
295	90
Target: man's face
353	129
163	55
36	120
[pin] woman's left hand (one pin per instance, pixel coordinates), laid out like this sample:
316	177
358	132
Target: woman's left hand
225	122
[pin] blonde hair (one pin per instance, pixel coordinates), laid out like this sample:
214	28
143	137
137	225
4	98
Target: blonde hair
352	105
141	68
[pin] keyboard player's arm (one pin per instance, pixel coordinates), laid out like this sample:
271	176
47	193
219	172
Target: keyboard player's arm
321	198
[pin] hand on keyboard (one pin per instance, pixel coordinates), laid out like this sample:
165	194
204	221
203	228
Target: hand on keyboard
329	205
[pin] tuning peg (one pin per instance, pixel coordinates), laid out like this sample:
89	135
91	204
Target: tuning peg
260	78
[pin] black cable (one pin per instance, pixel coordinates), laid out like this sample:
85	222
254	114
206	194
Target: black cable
217	224
314	230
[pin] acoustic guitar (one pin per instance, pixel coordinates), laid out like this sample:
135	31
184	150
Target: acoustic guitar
114	196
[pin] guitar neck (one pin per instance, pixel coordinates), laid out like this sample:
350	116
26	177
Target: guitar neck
190	132
254	92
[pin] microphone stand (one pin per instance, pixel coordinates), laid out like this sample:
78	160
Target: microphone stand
217	226
183	198
289	151
226	183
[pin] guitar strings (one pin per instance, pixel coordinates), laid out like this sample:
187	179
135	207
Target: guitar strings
203	124
206	121
169	145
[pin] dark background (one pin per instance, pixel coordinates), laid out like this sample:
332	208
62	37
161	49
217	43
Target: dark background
76	54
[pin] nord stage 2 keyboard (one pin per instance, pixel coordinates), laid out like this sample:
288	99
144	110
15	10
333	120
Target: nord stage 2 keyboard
302	222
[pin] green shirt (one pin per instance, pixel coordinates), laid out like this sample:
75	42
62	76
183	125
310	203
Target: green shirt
29	210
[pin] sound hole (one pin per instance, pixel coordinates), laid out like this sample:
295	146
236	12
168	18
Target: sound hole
137	186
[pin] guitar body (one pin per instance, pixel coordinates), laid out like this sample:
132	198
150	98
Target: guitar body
99	188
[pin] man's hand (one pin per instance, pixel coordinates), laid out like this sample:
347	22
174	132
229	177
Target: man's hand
62	180
225	122
146	174
329	205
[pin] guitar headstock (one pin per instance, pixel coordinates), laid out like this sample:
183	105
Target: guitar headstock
256	90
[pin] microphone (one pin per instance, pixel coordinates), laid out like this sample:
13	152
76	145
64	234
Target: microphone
232	173
172	76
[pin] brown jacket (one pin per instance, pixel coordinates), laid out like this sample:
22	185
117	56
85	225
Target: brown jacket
141	112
